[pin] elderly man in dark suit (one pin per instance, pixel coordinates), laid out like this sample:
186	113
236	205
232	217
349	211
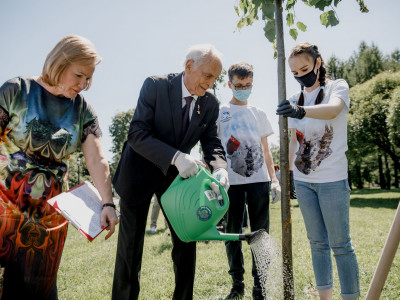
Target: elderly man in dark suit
173	113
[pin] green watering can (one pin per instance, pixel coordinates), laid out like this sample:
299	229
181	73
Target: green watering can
194	210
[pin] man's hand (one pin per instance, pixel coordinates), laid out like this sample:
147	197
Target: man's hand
275	191
222	176
108	220
287	109
187	165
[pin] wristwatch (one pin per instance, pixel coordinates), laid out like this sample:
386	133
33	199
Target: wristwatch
109	204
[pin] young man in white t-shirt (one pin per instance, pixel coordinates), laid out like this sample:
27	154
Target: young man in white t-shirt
244	131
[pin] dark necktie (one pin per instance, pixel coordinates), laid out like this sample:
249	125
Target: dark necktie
185	116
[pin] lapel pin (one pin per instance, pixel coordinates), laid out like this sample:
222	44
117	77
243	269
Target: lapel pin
198	109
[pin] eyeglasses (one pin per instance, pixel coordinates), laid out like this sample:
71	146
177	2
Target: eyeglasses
242	87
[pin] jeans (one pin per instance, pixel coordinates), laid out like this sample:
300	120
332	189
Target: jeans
258	211
325	209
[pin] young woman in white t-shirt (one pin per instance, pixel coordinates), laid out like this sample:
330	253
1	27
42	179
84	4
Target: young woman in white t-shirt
317	157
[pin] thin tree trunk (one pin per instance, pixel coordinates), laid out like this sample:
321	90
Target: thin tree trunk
382	181
288	283
396	174
349	178
387	172
359	181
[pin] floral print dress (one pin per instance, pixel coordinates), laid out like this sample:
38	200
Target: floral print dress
38	132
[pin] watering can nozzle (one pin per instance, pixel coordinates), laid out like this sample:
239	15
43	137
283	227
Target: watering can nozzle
248	237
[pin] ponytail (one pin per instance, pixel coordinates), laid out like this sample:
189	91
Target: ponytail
321	78
300	101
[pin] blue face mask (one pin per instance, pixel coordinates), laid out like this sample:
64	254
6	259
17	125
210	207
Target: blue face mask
241	95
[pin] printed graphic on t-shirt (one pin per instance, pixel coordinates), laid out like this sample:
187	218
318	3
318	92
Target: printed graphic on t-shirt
241	129
225	116
245	160
314	150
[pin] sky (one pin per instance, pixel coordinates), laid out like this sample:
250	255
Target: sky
137	39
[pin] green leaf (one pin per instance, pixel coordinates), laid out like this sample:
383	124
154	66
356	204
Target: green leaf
313	2
241	5
293	33
269	31
244	6
242	22
301	26
268	10
290	4
322	4
237	10
329	18
254	13
289	19
257	3
363	7
245	21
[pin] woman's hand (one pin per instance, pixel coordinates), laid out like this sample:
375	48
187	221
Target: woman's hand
287	109
108	220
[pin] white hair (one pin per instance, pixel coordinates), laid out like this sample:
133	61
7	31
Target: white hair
198	53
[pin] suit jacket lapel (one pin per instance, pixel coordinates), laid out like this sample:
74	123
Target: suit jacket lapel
175	98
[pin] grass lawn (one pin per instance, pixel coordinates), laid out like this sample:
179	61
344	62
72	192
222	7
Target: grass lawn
86	270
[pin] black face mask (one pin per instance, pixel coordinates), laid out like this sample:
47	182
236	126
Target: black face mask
308	79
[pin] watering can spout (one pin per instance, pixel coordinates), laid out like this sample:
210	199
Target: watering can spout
249	237
214	234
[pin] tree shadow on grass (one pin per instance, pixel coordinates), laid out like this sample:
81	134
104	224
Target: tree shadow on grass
373	191
167	245
362	198
374	202
158	231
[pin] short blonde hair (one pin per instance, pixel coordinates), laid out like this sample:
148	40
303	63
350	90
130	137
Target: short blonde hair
72	49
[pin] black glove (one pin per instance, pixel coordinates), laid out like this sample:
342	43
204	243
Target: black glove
287	109
292	188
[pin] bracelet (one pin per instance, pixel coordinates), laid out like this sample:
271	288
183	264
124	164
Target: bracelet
108	204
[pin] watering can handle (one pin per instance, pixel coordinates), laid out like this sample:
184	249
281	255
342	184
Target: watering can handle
222	198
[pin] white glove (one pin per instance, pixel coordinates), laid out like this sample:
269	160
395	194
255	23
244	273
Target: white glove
275	191
187	165
222	176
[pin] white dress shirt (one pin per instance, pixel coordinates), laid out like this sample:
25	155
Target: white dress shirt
186	93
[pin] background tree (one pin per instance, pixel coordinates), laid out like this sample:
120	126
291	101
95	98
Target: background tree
364	157
270	11
392	62
119	132
275	151
364	64
220	81
73	170
373	121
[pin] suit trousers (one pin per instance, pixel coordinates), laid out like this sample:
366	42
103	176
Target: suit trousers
130	250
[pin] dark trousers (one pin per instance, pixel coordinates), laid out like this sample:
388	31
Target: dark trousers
15	289
130	250
258	211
